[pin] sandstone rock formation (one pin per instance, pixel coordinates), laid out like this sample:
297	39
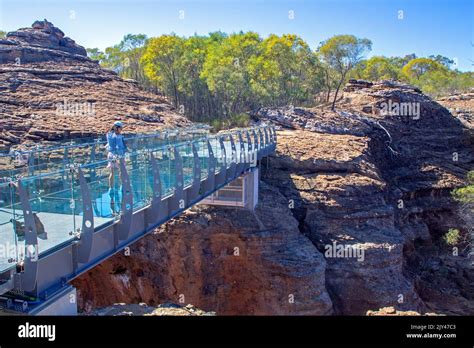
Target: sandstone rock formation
390	311
50	91
341	199
229	261
360	177
383	186
42	42
461	106
376	182
169	309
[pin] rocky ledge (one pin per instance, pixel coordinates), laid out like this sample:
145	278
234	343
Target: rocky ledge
390	311
142	309
382	185
53	92
41	42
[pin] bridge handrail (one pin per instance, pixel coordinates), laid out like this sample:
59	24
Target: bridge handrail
30	205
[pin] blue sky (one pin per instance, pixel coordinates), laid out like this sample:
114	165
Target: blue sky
427	26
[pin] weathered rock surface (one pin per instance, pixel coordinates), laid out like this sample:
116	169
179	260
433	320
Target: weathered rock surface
225	260
41	42
390	311
378	183
54	92
461	106
385	191
142	309
339	197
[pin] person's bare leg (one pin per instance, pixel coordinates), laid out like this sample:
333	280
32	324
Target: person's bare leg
111	177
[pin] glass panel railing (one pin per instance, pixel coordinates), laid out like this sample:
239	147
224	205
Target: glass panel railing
237	147
218	154
11	219
245	146
187	158
55	194
203	153
52	201
103	179
228	151
138	166
167	173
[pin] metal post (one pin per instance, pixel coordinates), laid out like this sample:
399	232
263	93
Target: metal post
193	191
209	184
233	164
127	203
31	255
87	231
177	201
221	177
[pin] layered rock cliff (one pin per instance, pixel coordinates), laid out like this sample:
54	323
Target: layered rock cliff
225	260
375	185
382	185
51	91
352	206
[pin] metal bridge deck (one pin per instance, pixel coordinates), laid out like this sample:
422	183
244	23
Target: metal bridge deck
59	217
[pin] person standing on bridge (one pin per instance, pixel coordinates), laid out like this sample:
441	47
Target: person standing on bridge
116	149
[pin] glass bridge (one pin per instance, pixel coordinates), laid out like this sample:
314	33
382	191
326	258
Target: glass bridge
55	198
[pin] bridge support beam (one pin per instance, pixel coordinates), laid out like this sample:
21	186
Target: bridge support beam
44	279
64	302
241	192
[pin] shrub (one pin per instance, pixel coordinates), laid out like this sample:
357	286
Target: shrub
453	237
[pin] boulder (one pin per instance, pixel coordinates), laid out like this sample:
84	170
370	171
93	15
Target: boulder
43	35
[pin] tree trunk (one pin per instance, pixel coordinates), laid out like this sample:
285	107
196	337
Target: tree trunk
343	77
328	85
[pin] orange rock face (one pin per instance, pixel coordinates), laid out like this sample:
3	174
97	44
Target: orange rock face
229	261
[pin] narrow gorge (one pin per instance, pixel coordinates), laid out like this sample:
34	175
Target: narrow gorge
351	177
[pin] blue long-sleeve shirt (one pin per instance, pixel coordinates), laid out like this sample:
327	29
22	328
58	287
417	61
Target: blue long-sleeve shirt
116	144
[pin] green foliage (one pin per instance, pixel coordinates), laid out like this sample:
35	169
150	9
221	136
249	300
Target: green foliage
418	67
435	78
162	63
442	60
465	194
452	237
377	68
218	76
2	34
223	75
226	71
240	120
341	54
124	58
235	121
290	72
400	62
432	75
96	54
